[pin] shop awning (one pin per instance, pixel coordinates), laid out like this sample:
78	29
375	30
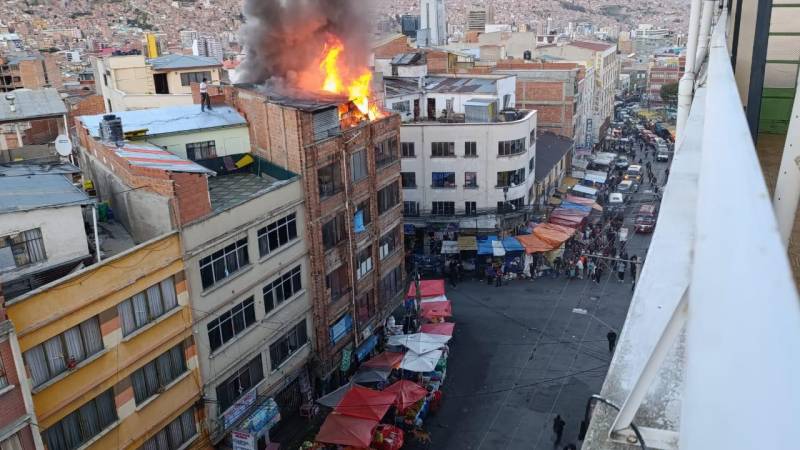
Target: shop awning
365	403
568	182
363	350
449	247
346	430
566	220
427	288
438	298
511	244
584	201
485	246
421	362
553	234
569	212
443	328
533	244
585	190
385	360
498	249
419	342
467	243
595	176
570	205
435	310
407	393
332	399
367	375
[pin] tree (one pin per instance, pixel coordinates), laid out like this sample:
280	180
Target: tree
669	93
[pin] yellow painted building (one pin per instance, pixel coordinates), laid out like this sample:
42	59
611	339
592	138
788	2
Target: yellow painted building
110	355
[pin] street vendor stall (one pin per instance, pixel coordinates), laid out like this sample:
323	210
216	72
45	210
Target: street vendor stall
443	328
346	430
514	258
385	360
365	403
419	342
427	288
421	362
432	311
407	393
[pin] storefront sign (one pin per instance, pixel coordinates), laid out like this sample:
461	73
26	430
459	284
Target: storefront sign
347	355
341	328
265	417
242	440
235	412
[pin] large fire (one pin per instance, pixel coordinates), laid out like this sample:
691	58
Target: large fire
337	78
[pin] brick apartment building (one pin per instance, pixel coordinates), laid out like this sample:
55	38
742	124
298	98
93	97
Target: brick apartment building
553	90
351	177
663	69
29	72
17	420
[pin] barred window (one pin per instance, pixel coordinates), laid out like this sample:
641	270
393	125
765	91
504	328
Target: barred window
277	234
240	383
224	263
22	249
231	323
147	306
197	151
282	288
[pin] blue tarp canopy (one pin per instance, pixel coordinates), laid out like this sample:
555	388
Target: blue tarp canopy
511	244
570	205
485	245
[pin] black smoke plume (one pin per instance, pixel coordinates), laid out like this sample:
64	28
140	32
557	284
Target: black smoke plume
282	38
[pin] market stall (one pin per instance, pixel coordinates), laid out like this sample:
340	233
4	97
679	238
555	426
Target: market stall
514	262
419	342
347	430
427	288
385	360
436	311
443	328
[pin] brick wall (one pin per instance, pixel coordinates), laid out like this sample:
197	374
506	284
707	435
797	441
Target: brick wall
32	74
12	405
191	195
42	131
393	47
87	106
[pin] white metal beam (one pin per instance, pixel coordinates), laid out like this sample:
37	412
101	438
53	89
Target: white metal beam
787	188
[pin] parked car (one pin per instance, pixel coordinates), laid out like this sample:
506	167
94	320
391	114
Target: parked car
622	163
662	156
645	219
616	202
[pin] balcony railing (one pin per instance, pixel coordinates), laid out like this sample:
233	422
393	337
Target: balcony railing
710	350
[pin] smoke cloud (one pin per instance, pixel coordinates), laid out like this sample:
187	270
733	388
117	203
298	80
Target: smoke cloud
284	38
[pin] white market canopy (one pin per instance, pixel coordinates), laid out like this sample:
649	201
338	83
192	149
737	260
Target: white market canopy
424	362
420	342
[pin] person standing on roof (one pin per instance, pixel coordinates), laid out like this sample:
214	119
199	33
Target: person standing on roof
205	100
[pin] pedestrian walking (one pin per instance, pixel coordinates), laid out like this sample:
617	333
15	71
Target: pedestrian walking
498	277
598	273
558	428
205	100
612	341
452	273
621	271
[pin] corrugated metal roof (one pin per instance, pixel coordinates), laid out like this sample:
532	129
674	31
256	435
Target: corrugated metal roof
462	85
550	148
150	156
31	104
182	62
29	187
177	119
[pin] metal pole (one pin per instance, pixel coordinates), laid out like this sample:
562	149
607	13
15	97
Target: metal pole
705	32
758	66
96	235
686	85
787	188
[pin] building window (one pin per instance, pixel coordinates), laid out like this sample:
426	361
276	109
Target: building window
288	345
284	287
531	163
471	208
388	244
224	263
388	197
408	149
443	208
158	373
22	249
197	151
333	231
408	180
533	135
231	323
513	147
470	149
147	306
401	107
64	351
511	205
471	180
411	209
391	284
337	283
238	384
510	178
443	180
188	78
364	262
364	309
329	179
365	211
443	149
3	376
82	424
358	165
277	234
174	435
386	152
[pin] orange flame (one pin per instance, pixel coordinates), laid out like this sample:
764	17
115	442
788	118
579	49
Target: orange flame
338	80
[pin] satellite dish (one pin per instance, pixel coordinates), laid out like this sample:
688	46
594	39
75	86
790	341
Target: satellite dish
63	145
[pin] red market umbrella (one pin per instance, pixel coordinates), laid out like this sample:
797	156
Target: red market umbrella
346	430
427	288
365	403
407	392
385	360
444	328
432	310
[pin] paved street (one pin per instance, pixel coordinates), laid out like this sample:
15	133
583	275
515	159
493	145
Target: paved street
520	355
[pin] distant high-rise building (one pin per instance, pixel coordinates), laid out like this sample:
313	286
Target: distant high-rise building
409	25
210	46
478	15
187	38
434	19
